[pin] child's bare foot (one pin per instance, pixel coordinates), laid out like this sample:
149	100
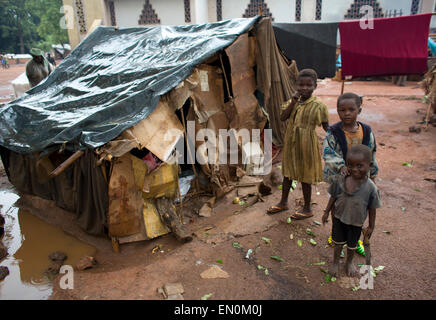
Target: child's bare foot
334	270
306	210
351	270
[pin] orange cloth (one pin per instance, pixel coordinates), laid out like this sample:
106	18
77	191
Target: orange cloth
354	138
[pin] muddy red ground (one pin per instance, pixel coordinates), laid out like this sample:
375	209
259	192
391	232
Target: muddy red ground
403	241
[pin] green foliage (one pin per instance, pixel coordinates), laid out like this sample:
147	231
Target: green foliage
30	23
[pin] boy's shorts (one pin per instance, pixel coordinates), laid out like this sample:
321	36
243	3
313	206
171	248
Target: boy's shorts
345	234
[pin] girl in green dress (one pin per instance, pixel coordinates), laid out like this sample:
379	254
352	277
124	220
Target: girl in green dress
301	153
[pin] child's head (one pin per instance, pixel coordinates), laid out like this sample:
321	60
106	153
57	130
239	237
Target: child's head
306	83
359	160
349	107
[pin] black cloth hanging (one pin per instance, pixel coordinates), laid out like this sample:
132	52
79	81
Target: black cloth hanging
311	45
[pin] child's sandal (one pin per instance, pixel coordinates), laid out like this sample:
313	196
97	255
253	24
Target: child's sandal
276	209
301	216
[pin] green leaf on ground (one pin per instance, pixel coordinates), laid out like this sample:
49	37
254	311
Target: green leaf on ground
312	242
263	268
289	220
408	164
321	263
310	233
266	240
291	236
280	187
329	278
300	243
277	258
237	245
206	296
378	269
355	288
317	223
219	261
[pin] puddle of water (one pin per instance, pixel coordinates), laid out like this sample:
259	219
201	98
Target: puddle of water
29	241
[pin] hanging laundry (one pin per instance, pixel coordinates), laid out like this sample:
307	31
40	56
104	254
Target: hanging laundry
394	46
311	45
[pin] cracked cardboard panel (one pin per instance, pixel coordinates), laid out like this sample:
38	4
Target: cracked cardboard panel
211	79
238	53
249	113
243	83
160	131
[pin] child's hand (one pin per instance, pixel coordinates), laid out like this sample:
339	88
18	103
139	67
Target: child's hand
344	171
367	233
296	96
325	217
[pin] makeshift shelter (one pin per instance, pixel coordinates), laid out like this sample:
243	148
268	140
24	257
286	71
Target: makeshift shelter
94	136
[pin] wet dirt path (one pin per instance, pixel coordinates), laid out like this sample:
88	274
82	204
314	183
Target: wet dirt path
401	242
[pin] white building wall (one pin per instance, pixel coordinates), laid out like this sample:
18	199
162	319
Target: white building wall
211	8
233	8
403	5
334	10
282	11
127	12
308	10
170	12
199	11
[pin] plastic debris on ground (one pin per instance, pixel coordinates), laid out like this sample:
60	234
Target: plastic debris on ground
185	185
249	252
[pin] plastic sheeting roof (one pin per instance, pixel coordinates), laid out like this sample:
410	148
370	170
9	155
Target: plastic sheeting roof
110	82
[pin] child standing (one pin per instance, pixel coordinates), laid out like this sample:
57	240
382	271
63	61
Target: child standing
301	155
353	198
346	133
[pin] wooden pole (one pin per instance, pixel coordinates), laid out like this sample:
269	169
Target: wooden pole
342	87
181	201
197	186
427	117
66	164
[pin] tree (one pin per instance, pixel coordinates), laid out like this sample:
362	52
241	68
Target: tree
49	13
17	26
28	23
